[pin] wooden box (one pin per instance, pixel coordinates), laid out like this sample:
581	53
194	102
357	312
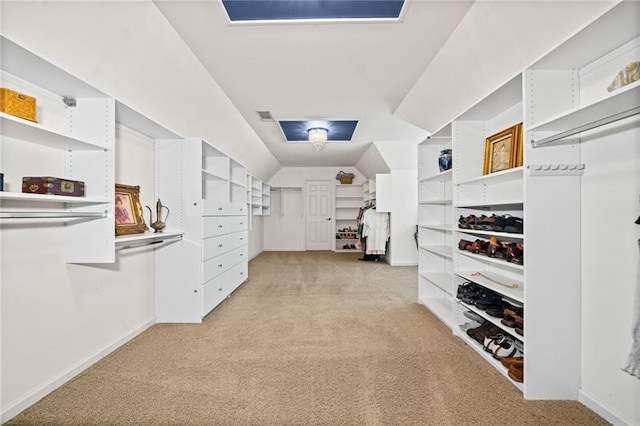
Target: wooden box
52	186
17	104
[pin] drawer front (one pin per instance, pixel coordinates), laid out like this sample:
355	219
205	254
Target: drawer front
221	208
219	264
215	246
212	226
216	290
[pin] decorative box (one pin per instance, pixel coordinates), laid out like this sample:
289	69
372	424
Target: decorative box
52	186
17	104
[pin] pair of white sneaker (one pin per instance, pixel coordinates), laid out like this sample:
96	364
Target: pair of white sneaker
501	346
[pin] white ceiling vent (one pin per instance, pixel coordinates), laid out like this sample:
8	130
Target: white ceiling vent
265	115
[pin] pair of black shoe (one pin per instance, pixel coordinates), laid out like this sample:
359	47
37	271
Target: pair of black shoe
483	298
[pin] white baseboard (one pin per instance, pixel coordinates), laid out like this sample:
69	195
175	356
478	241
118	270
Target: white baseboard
36	395
602	410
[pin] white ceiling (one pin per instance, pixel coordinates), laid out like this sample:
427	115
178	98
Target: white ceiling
343	70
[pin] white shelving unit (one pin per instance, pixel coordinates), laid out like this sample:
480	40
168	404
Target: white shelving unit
210	190
435	216
266	199
348	200
70	142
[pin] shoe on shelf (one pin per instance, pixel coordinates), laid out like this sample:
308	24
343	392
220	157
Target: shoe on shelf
516	372
473	316
491	342
506	348
508	361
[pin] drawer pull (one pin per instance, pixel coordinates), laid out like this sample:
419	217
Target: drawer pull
219	245
241	239
241	209
219	226
241	254
241	273
220	265
220	289
219	209
241	223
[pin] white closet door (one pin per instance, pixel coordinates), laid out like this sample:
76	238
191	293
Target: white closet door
318	208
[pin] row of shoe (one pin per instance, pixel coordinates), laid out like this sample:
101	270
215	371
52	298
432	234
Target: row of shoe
515	367
493	304
503	223
502	346
349	247
510	252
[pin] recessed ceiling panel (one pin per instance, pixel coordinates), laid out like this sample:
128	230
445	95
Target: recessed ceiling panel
338	130
270	10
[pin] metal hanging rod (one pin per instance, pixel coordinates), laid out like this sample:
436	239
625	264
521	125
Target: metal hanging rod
594	124
148	243
52	215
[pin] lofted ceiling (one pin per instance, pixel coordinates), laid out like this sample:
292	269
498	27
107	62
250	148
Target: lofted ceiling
346	70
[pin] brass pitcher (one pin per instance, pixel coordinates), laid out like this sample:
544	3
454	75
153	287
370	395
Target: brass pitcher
158	225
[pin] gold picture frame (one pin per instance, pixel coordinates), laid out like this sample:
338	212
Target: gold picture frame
128	210
504	150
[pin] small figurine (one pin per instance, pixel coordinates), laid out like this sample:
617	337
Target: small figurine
158	225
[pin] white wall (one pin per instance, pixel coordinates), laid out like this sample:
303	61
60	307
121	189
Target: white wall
478	58
610	205
372	162
284	228
404	217
286	233
129	51
58	318
400	155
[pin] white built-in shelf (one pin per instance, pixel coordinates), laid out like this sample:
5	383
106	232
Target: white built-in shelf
492	320
43	198
25	130
486	355
438	227
504	204
444	176
441	308
212	176
493	260
359	197
242	185
490	280
147	237
492	233
621	102
435	202
132	119
442	280
495	178
446	251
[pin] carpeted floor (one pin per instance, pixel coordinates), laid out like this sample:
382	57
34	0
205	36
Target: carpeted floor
312	338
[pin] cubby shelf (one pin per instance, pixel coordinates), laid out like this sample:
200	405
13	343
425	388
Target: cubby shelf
446	251
442	176
503	204
212	176
442	280
495	178
490	280
438	227
491	260
507	235
147	237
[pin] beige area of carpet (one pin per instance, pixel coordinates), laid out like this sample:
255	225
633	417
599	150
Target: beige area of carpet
312	338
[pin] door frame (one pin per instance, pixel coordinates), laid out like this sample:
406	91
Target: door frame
332	211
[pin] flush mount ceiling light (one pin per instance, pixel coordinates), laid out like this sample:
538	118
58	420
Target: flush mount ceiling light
318	137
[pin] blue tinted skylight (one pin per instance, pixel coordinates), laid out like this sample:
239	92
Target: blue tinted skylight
270	10
339	130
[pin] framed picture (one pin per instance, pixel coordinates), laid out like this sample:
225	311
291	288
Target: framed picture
503	150
128	210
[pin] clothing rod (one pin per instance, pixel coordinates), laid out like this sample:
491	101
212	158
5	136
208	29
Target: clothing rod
148	243
51	215
598	123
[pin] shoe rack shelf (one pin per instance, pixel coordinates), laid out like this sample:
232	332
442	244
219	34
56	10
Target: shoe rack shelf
348	200
503	235
495	321
435	216
491	260
488	357
511	287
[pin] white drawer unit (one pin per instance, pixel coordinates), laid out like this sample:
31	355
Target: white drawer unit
209	190
216	290
216	246
219	225
222	208
219	264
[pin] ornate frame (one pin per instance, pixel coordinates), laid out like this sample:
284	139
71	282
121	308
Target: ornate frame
128	218
504	150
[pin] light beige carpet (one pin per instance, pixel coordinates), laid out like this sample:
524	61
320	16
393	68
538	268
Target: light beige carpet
311	339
